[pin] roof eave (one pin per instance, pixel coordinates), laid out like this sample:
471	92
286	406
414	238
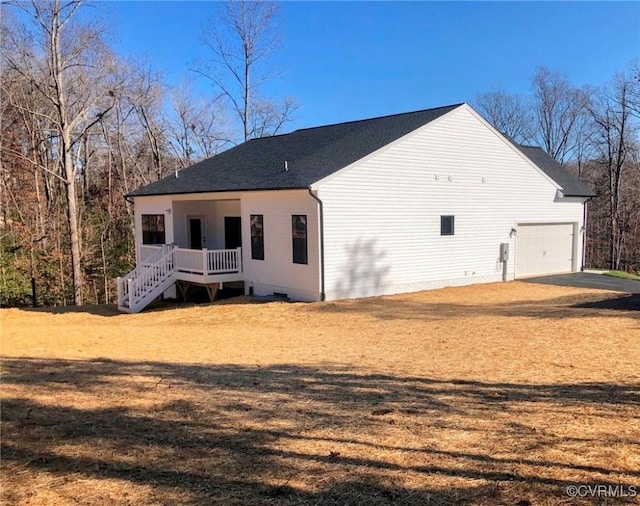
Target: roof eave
232	190
580	195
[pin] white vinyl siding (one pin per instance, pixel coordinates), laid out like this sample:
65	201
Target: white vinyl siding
382	215
152	205
544	249
277	272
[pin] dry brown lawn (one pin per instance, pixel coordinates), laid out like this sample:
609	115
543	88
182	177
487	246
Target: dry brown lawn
495	394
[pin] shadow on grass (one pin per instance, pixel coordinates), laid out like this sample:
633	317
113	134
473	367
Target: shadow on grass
108	310
607	304
572	306
93	309
286	434
624	303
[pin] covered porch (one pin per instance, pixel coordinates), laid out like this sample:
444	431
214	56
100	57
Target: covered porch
183	240
206	224
205	234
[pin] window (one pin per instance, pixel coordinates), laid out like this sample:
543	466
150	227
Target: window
257	237
447	225
299	231
153	229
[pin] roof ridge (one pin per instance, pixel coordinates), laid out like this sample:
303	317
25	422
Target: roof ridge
452	106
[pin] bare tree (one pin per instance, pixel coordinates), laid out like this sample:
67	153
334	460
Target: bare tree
240	39
268	118
145	94
195	128
634	87
617	147
78	130
507	113
557	108
73	73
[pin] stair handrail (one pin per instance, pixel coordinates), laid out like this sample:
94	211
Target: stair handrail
142	280
147	262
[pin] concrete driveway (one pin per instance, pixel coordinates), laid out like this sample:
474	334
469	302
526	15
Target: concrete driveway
589	280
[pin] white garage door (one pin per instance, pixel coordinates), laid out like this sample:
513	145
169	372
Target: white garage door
544	249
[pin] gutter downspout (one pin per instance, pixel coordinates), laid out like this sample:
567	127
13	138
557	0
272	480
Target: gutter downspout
321	239
133	229
584	234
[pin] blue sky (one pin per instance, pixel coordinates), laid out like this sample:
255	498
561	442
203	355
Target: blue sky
352	60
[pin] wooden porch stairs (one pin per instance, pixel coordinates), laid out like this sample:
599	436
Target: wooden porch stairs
165	265
138	288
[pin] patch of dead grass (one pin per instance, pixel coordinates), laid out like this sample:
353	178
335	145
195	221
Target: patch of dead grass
491	394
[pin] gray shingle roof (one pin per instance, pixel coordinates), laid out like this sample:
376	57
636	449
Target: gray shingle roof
314	153
571	185
311	155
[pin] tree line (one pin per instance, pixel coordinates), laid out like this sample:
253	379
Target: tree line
81	127
595	133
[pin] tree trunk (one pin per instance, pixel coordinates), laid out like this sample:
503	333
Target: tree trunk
247	105
60	100
74	234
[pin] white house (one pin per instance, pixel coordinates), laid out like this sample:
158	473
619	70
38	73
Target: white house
387	205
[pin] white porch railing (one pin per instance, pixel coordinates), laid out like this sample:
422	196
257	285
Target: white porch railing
223	260
196	261
207	262
190	260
